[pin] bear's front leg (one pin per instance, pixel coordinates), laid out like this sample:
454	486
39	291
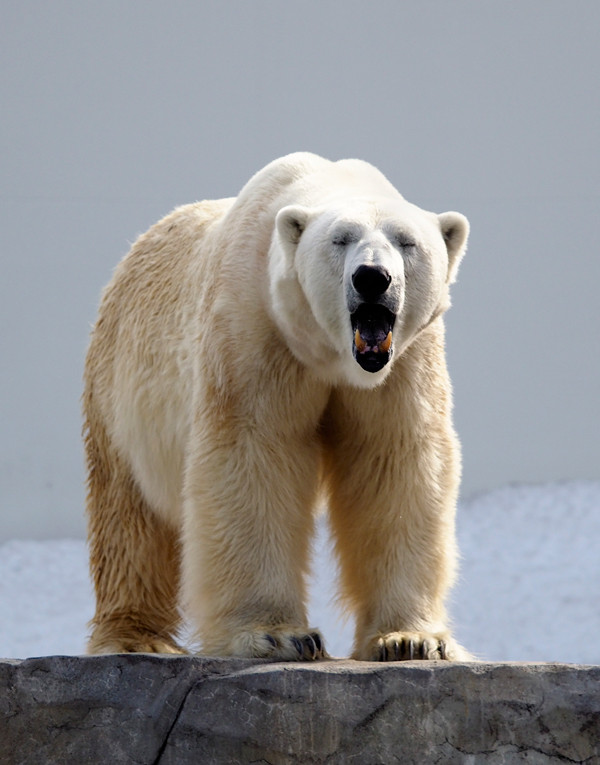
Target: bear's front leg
248	520
393	481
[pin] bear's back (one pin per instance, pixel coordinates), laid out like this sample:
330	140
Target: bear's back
306	178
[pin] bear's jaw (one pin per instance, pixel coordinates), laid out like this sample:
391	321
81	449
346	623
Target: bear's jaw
372	344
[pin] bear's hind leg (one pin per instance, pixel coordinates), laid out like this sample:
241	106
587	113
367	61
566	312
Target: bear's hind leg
134	560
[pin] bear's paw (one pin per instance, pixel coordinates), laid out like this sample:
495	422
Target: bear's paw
413	646
134	643
282	642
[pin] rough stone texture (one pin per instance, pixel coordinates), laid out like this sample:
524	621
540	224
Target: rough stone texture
154	709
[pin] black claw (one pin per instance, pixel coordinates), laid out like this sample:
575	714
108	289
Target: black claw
311	646
403	649
383	653
443	650
271	640
411	650
423	650
298	645
396	649
317	641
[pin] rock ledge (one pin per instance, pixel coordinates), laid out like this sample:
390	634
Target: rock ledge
156	709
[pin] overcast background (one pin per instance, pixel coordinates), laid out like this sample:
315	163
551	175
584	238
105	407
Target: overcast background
112	113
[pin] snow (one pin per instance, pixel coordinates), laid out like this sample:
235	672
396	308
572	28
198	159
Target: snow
527	591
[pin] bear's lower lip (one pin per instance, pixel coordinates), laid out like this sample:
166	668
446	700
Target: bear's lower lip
372	361
372	326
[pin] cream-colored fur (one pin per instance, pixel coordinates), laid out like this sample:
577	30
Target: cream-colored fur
223	394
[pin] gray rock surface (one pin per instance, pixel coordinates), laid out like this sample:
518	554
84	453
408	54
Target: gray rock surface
155	709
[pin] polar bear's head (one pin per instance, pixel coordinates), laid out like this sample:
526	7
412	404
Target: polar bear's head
354	282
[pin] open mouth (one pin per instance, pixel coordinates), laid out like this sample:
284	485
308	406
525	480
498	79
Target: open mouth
372	345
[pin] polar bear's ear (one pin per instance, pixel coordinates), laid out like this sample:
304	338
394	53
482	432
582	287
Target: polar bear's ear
455	230
291	222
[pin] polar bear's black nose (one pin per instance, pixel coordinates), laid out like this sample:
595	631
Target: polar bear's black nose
371	281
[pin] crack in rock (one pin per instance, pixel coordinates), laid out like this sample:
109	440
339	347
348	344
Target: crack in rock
163	746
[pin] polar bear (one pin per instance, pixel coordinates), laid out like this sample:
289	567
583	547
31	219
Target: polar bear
251	356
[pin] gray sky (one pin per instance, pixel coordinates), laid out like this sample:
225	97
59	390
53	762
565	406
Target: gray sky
112	113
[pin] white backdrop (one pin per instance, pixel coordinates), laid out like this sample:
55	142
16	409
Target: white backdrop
113	113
